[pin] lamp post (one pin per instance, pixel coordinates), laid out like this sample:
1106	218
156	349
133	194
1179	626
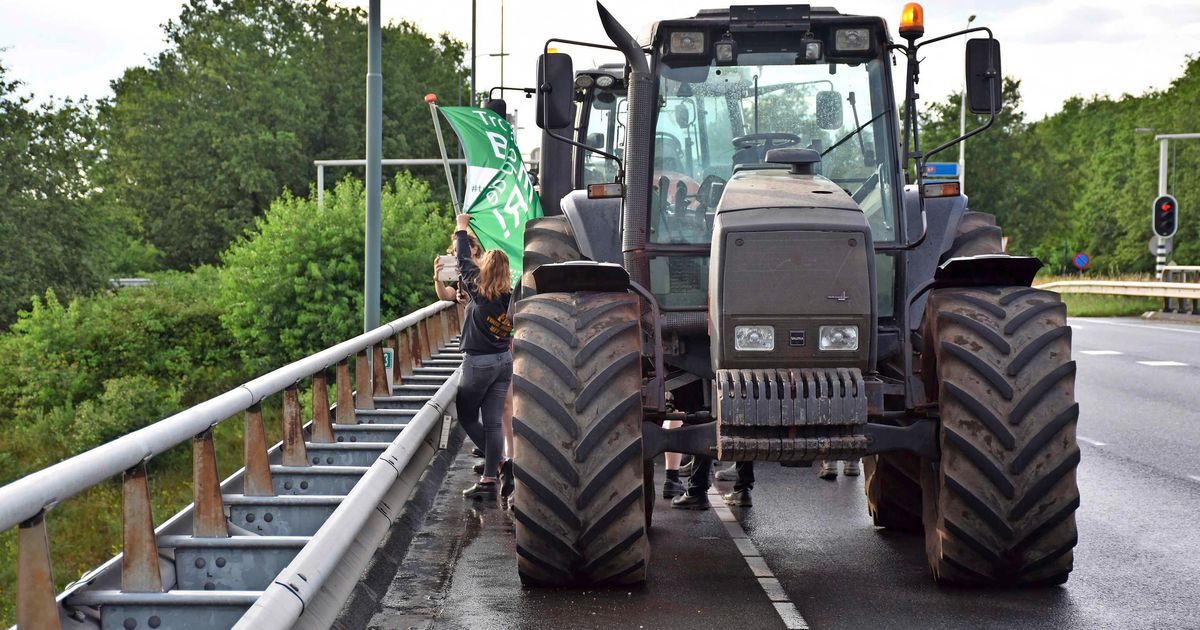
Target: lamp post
962	126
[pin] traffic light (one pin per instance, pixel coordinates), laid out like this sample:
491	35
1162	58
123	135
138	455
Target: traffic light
1166	216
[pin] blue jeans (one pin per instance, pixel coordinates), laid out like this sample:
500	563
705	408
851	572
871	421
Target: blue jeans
481	392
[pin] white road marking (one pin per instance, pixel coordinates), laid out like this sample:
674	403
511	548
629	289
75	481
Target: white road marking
1090	441
1101	353
1126	325
1162	363
787	611
1194	477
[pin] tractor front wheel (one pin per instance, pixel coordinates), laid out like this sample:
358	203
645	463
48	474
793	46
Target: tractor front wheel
579	505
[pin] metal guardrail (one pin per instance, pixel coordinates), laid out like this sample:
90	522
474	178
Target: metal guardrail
1118	287
1178	288
25	502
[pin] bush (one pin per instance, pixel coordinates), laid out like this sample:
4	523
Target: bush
126	405
171	333
294	286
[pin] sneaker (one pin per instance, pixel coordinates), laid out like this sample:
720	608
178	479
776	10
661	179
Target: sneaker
508	481
481	490
687	501
728	474
739	498
672	488
850	468
828	470
478	468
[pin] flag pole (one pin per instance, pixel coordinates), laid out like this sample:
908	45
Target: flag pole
431	98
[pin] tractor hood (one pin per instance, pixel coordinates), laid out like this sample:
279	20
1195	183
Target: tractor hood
791	253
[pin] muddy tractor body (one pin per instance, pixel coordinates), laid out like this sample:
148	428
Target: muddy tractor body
751	260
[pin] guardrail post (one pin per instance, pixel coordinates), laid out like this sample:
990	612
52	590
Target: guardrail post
208	518
36	608
322	427
257	480
294	452
139	555
443	329
426	340
345	398
379	372
404	355
417	345
363	397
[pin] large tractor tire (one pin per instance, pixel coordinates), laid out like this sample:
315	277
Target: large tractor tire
893	486
999	506
547	240
977	234
577	416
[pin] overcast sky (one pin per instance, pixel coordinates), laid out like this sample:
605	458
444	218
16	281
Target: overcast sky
1058	48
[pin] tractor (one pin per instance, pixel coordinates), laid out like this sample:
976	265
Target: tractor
769	265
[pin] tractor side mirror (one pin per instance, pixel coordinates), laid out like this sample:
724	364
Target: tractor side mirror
497	105
595	140
984	84
829	110
555	90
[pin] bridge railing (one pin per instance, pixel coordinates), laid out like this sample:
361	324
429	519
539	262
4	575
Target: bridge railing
25	502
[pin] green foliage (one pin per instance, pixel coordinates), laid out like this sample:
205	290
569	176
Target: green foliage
1083	305
1082	179
294	285
127	404
54	233
247	95
60	355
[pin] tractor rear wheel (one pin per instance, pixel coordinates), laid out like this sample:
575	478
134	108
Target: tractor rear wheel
893	486
999	507
548	240
577	418
977	234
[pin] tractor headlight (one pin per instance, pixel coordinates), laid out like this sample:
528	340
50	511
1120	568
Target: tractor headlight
812	51
604	81
754	338
852	40
839	338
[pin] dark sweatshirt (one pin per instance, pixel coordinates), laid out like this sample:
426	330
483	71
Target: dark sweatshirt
487	329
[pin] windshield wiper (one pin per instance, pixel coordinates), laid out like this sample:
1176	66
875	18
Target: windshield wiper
855	132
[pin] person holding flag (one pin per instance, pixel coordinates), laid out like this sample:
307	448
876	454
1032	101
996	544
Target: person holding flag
499	201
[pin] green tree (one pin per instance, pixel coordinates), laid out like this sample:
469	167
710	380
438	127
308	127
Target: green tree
294	285
55	231
245	97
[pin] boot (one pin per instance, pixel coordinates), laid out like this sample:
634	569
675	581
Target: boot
739	498
672	488
828	470
508	481
688	501
482	490
850	468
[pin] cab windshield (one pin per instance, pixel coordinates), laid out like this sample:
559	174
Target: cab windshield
711	119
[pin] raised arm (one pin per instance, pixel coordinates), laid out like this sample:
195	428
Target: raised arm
462	248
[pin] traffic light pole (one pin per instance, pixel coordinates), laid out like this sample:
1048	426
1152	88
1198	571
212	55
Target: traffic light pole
1164	244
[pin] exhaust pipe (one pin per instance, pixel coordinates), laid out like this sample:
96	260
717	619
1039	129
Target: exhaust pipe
635	216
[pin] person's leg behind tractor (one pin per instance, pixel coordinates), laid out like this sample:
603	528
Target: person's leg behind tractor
696	495
740	496
672	486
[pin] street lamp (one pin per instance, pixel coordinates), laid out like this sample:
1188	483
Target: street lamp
962	126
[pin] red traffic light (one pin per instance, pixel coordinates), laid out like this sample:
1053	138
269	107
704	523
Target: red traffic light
1165	220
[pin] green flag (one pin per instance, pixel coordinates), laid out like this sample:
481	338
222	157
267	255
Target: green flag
499	196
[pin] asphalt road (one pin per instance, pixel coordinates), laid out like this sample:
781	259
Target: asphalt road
806	554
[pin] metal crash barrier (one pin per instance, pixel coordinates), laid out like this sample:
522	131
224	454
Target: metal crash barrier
283	540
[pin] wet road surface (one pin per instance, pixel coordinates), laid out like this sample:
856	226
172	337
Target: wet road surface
1137	564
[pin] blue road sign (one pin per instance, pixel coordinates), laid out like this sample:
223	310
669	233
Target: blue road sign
1082	260
941	169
